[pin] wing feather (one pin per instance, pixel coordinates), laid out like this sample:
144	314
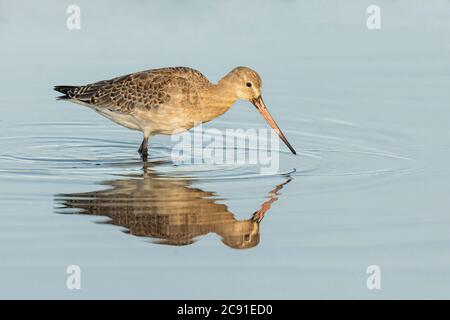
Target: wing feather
142	90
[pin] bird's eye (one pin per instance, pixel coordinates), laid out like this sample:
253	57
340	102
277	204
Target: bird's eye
249	84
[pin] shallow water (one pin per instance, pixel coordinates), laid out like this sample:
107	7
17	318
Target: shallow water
366	110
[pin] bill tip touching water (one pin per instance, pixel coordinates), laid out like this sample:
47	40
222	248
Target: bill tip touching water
170	100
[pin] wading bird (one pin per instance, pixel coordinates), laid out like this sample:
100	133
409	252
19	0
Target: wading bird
169	100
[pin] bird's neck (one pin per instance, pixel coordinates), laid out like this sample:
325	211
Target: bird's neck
216	100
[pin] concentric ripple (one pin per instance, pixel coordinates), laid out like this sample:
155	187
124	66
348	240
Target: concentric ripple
340	153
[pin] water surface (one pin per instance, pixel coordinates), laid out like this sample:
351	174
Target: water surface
366	110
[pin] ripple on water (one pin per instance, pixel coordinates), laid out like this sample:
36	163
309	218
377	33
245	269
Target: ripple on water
341	153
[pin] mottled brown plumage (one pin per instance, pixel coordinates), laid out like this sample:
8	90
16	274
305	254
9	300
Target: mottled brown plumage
168	100
144	90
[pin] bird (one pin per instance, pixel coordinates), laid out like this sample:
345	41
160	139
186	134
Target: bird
169	100
144	205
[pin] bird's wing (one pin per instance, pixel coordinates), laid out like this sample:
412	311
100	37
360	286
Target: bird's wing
142	90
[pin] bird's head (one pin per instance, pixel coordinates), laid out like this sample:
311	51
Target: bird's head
242	234
246	84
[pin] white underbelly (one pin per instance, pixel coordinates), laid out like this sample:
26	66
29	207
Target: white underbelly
126	120
149	125
162	122
148	122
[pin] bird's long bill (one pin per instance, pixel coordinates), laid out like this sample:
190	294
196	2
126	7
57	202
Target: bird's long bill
259	104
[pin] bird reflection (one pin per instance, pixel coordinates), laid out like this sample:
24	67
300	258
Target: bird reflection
168	210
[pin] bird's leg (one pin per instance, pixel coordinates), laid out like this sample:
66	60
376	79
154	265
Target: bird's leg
143	149
143	146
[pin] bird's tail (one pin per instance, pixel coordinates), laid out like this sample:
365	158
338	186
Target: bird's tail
68	91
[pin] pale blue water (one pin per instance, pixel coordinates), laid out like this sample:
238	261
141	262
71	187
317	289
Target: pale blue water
366	110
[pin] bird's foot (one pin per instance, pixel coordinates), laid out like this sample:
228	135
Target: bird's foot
144	155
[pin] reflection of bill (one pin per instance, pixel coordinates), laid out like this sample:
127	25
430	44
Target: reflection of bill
168	210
